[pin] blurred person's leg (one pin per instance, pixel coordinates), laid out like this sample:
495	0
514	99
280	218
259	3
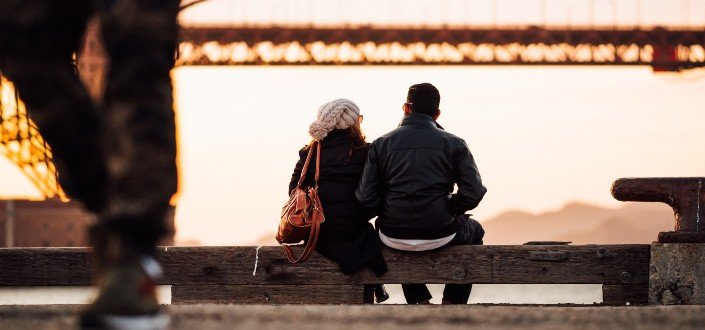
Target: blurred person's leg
37	41
140	39
470	232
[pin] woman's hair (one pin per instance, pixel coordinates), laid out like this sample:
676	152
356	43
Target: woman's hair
358	137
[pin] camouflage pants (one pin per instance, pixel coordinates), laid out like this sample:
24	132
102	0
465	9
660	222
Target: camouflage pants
119	156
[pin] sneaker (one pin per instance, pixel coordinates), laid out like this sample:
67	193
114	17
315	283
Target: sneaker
127	298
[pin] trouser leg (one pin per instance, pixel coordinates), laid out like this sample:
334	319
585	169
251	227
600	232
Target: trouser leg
457	293
36	46
470	232
415	293
140	37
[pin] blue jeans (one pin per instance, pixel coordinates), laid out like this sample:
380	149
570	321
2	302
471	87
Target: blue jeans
470	232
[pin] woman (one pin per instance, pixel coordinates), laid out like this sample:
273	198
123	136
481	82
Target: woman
346	237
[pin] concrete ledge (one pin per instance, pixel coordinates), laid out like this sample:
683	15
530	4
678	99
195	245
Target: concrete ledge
379	317
677	274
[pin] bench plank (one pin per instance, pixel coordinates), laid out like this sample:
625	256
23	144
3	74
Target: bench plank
267	294
44	266
521	264
578	264
236	265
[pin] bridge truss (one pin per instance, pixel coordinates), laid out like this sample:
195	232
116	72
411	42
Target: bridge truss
663	49
22	144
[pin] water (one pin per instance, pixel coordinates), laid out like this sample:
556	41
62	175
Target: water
62	295
481	294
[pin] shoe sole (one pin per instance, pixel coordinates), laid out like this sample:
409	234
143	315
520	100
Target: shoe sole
126	322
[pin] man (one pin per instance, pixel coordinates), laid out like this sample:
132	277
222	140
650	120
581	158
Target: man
118	156
409	177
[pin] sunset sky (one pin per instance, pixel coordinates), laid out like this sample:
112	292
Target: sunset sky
541	136
624	13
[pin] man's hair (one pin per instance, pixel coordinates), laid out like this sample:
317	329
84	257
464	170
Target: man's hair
424	98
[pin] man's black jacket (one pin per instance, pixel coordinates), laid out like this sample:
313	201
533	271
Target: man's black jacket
409	177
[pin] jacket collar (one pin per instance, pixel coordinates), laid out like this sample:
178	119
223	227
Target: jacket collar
419	119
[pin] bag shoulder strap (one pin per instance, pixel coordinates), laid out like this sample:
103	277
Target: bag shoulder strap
318	160
316	226
305	168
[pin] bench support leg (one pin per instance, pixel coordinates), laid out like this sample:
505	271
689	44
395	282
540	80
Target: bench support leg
624	294
368	295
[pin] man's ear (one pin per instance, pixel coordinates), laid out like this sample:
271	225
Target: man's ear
438	114
407	109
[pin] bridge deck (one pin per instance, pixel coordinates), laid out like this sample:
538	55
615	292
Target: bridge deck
663	49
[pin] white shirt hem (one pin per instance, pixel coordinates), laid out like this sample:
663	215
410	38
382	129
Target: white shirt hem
415	244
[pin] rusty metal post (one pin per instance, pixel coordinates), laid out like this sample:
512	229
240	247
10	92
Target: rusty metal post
685	195
677	261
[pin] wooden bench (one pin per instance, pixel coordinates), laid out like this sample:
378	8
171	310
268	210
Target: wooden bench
262	275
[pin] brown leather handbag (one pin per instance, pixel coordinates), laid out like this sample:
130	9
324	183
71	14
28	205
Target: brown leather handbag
302	215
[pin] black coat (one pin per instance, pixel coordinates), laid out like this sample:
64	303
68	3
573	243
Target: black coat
347	236
410	174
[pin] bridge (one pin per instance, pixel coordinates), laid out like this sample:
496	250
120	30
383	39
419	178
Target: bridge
663	49
549	33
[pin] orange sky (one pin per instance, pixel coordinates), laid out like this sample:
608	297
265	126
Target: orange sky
625	13
541	136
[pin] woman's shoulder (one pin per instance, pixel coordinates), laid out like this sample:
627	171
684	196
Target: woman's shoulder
303	152
361	151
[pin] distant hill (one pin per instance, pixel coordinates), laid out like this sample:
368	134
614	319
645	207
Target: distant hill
578	222
582	224
265	240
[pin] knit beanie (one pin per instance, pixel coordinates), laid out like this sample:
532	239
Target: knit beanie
340	114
